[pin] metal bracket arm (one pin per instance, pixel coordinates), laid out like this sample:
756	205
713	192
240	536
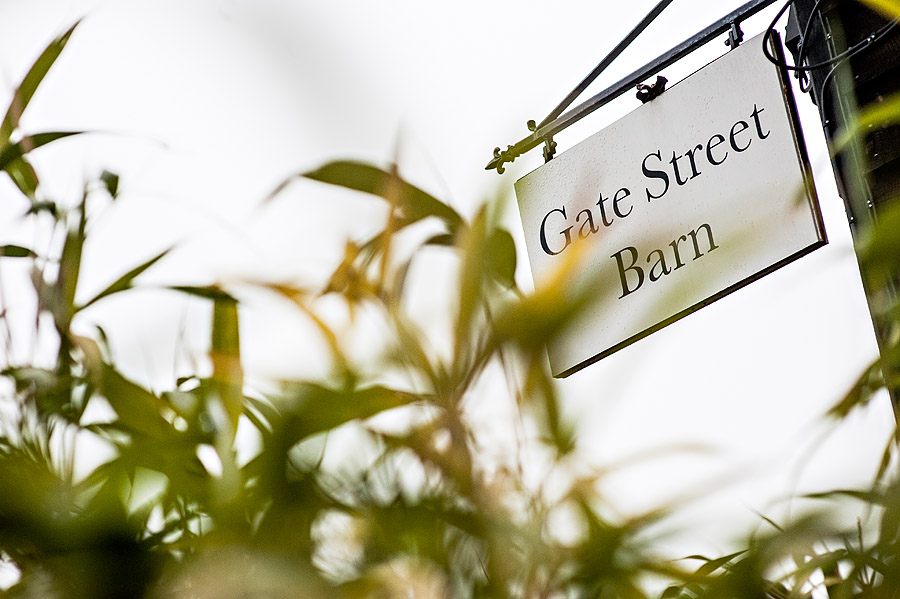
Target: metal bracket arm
546	131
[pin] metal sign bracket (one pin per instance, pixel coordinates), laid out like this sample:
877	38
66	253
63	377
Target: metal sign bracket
557	120
735	35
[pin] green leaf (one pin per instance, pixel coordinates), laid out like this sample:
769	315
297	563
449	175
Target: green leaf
30	83
260	414
63	307
312	409
862	125
869	497
48	207
890	8
471	285
228	376
881	245
535	319
24	176
29	489
500	254
185	379
714	564
103	342
863	389
111	183
441	239
210	292
13	152
540	391
50	391
16	251
429	529
672	592
137	408
414	203
125	281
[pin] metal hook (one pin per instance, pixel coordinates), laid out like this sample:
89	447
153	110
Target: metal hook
549	144
735	35
549	149
646	92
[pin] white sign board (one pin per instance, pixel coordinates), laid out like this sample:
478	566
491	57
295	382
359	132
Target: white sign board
689	197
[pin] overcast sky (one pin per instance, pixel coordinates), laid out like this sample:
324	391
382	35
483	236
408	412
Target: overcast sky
204	106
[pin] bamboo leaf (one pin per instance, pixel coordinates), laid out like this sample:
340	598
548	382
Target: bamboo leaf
11	153
890	8
533	320
111	183
671	592
40	207
50	390
869	497
500	254
714	564
137	408
880	114
30	83
441	239
859	395
471	283
228	375
539	389
210	292
16	251
24	176
69	268
125	281
312	408
414	203
881	245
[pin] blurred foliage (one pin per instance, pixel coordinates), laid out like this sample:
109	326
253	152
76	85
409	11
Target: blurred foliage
411	510
890	8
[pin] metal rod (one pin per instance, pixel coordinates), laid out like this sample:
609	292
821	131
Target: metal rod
608	60
617	89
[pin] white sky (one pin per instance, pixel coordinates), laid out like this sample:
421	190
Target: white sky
204	106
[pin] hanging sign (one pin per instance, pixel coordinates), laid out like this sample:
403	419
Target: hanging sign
691	196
